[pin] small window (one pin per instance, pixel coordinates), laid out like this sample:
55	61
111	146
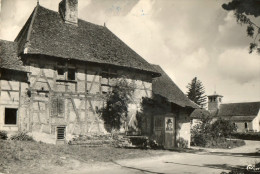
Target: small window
245	125
71	74
61	132
219	99
10	116
57	107
60	71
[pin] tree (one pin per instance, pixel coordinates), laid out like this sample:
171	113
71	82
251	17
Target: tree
115	111
196	92
243	8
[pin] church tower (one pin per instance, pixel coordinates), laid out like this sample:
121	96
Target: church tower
214	102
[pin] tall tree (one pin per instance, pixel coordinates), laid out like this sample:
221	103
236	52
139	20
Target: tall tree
196	92
242	10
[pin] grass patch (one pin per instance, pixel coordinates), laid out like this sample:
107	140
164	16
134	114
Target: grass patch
26	156
224	143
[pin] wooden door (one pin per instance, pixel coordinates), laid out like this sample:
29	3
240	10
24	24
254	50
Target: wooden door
169	123
159	129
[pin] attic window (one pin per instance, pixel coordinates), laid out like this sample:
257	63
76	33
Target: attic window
71	74
60	71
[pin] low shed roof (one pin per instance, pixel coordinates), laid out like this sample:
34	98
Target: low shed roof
165	87
8	56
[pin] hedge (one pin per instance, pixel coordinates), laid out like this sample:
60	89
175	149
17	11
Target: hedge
246	135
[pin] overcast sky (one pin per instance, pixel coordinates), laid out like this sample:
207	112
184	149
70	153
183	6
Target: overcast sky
187	38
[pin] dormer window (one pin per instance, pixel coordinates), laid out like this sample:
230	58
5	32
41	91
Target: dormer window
71	74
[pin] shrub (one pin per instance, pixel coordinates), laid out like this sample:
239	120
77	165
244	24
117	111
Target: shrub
244	170
207	134
3	135
222	128
22	136
181	143
115	112
222	142
246	135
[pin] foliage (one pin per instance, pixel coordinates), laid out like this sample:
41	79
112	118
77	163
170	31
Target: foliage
207	134
196	92
224	143
3	135
247	135
182	143
241	10
22	136
245	169
115	111
222	128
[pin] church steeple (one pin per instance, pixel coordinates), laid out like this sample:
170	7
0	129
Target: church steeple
214	101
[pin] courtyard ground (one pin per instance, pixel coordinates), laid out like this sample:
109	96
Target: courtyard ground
112	160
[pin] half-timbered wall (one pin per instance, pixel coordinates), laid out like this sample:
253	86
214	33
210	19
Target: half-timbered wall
12	99
59	98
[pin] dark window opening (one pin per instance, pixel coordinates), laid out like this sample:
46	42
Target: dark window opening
219	99
61	133
71	74
10	116
60	71
245	125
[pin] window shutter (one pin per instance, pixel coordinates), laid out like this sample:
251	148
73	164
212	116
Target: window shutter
54	106
61	107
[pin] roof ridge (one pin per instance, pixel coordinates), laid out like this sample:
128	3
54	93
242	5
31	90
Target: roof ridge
78	17
31	23
241	103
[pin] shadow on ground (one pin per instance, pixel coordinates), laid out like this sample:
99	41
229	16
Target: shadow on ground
213	166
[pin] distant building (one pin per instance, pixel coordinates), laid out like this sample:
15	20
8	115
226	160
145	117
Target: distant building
246	116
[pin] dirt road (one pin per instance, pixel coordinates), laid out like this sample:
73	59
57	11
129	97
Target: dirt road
206	161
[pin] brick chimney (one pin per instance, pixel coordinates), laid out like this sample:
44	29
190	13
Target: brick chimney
68	10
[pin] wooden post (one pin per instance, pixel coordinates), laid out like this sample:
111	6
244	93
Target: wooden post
19	109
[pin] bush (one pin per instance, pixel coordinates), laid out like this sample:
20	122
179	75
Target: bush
141	141
247	135
22	136
181	143
224	143
244	170
207	134
3	135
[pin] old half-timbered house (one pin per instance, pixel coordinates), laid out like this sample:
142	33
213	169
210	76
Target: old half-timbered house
65	66
13	84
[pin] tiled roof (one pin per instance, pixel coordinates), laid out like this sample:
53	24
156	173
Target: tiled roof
8	56
239	109
46	33
165	87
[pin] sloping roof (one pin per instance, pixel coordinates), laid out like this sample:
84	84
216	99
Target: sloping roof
239	109
46	33
8	56
165	87
200	113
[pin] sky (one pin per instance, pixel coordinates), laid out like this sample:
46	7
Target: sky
187	38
